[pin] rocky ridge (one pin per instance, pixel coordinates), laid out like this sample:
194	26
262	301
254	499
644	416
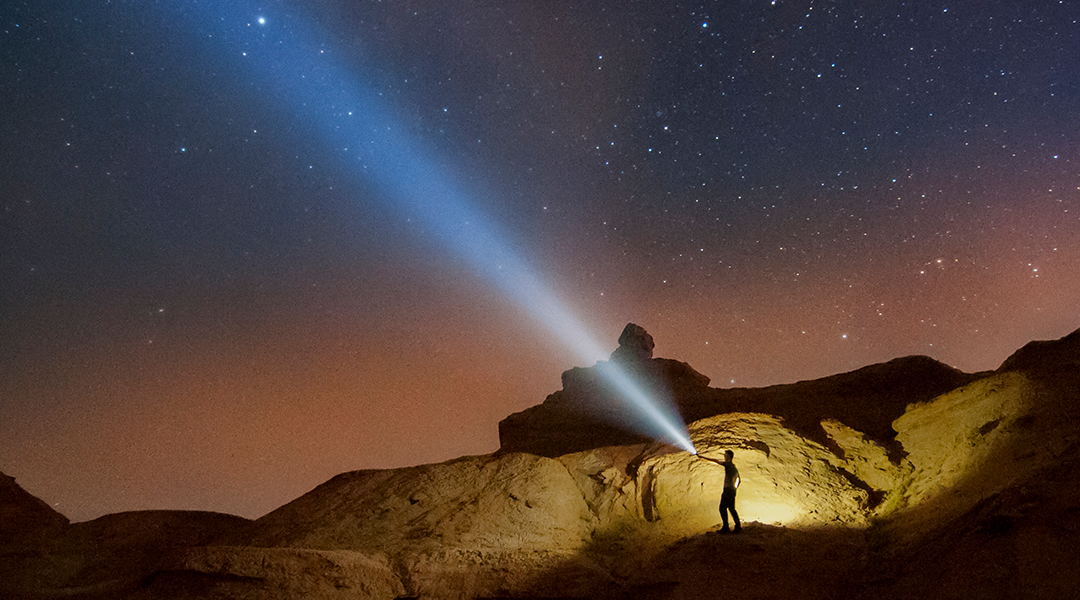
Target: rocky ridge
907	479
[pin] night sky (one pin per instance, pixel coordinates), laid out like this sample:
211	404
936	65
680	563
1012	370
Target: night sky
247	247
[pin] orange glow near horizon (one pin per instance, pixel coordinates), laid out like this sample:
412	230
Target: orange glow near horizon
215	297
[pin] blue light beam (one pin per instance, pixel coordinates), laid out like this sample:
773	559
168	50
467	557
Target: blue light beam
299	72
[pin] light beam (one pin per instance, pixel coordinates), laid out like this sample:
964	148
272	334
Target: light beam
292	64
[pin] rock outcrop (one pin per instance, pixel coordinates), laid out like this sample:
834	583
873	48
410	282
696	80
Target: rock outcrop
1046	355
22	515
907	479
588	414
635	345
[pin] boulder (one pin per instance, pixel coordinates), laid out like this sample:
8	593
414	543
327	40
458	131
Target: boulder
635	345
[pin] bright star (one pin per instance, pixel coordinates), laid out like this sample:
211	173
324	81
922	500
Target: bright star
262	20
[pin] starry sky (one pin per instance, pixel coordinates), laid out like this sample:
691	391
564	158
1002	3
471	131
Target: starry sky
245	247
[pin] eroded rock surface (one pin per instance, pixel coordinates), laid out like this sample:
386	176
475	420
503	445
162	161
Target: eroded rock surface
972	490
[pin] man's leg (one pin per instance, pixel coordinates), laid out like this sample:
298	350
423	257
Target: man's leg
725	506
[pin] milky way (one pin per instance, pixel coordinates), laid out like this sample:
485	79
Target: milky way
211	301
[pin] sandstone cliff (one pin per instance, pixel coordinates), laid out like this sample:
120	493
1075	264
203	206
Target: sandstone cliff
907	479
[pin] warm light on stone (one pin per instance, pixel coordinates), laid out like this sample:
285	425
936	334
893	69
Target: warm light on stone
977	498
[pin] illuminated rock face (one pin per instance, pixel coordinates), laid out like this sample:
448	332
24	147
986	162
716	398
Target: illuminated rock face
972	492
990	503
786	480
504	502
964	433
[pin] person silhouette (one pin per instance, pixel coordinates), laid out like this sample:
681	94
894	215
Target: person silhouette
731	484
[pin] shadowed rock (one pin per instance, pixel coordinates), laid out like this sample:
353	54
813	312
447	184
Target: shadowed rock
22	515
1046	355
635	345
587	414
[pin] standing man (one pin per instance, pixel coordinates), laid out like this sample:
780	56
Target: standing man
731	483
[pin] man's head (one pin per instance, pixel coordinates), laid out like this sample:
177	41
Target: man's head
728	455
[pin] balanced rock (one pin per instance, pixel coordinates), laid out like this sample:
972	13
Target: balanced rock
635	344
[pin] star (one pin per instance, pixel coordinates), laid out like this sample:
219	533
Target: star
816	191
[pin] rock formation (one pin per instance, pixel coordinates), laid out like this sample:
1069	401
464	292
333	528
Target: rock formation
109	557
587	413
635	345
23	515
907	479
